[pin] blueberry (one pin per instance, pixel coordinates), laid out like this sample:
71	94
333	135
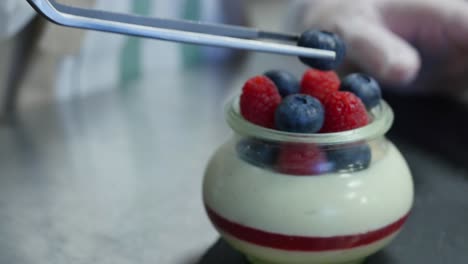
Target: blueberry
322	40
364	86
350	158
286	82
299	113
258	152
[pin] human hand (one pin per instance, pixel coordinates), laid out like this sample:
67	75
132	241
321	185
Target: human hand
419	42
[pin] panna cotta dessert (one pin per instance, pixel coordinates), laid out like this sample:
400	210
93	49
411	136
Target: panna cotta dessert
336	217
308	176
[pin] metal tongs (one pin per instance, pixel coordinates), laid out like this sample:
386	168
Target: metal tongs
217	35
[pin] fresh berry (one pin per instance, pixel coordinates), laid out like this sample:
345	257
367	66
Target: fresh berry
302	159
319	83
323	40
286	82
258	152
259	100
299	113
343	111
365	87
350	158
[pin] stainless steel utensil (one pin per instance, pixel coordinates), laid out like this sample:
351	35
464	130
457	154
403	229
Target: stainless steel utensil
217	35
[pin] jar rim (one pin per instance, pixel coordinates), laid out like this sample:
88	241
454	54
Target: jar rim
382	119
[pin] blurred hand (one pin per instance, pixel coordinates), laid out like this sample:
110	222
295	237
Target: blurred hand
419	42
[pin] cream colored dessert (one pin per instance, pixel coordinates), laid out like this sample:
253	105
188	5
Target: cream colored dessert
374	201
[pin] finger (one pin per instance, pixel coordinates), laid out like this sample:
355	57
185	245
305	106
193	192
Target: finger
380	52
419	15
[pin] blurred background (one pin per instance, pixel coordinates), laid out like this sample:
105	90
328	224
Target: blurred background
104	140
65	63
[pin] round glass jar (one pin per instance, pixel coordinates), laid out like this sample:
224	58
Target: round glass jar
289	198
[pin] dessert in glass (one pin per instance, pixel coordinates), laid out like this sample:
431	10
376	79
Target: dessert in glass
335	194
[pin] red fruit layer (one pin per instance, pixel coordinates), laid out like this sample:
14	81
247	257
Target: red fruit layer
302	243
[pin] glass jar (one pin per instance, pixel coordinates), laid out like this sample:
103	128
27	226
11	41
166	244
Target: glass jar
282	197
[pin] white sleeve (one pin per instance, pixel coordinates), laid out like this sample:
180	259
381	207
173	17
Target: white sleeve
14	14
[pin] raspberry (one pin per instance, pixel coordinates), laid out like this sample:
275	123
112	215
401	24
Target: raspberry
259	100
319	84
343	111
301	159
